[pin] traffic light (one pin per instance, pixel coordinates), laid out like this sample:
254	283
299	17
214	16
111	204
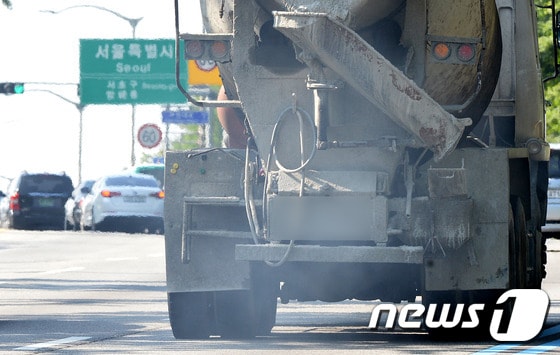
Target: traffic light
11	88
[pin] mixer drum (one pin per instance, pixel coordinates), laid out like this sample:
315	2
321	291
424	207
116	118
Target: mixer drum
451	49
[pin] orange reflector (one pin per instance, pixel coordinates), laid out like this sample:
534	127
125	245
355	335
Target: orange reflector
465	52
219	49
194	49
441	51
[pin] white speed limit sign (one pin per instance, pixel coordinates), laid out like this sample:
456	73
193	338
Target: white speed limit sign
149	135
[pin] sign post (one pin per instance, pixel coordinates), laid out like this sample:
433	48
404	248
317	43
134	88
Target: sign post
149	135
128	71
184	117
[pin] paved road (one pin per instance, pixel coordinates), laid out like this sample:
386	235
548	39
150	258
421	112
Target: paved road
74	292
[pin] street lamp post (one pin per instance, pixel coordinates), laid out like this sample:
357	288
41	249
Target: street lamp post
80	109
133	22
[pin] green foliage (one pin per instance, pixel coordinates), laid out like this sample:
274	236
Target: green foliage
7	3
552	86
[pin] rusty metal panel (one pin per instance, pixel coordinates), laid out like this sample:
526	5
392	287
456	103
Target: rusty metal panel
482	261
366	70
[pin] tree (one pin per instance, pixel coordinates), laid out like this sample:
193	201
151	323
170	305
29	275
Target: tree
552	87
7	3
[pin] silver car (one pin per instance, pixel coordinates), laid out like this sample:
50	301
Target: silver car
124	202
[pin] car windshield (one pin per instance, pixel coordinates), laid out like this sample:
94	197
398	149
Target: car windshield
131	181
554	164
45	184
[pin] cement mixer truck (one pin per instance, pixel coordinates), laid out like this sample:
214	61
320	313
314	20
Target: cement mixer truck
394	150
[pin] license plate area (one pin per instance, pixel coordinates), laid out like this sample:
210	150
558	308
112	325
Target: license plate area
134	199
46	202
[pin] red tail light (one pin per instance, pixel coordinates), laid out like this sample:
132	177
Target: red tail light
194	49
109	193
219	49
465	52
14	202
159	194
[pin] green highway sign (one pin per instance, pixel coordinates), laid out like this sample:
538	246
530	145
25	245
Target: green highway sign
129	71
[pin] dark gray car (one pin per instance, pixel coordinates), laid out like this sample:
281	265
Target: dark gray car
36	200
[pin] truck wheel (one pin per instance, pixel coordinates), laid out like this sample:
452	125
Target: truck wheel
265	291
518	244
190	314
245	313
266	314
235	314
537	260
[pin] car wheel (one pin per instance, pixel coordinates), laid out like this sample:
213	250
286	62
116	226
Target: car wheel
83	226
76	218
93	226
16	223
66	224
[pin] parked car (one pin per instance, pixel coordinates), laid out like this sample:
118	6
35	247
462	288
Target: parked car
2	197
553	209
126	201
36	200
73	205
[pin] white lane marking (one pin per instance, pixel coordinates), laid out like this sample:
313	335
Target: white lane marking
60	271
51	344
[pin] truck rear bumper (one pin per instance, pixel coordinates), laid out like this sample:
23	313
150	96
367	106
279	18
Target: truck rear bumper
338	254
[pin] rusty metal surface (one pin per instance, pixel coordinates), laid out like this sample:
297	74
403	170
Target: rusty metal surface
353	13
366	70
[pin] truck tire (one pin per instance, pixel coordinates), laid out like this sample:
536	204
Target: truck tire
235	314
537	260
518	245
266	314
190	314
246	313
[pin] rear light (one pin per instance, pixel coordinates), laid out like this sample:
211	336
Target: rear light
109	193
194	49
159	194
219	49
14	202
465	52
442	51
214	47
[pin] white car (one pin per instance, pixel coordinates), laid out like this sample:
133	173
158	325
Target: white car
553	208
125	201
